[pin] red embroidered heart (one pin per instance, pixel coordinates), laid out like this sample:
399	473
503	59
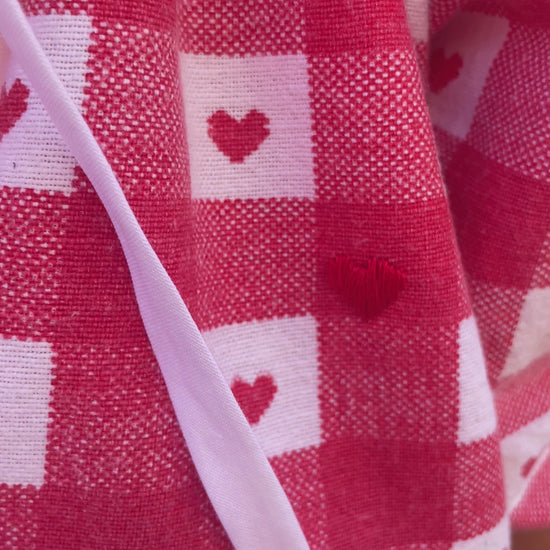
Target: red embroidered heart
12	105
443	69
370	287
238	139
254	399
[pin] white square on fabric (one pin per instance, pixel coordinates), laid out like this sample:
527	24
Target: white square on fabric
472	40
532	336
248	126
32	153
418	17
476	416
25	387
273	366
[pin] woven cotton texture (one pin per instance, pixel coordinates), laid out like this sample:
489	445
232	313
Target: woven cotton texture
352	199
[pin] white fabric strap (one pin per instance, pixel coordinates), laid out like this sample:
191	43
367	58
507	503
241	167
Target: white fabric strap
239	480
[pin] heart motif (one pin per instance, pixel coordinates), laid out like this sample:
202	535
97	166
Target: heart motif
443	70
254	399
528	466
237	139
12	106
369	287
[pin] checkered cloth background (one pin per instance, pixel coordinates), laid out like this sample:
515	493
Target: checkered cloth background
257	141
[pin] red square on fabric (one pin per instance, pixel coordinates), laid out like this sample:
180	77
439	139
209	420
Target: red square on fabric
500	218
386	381
255	260
377	489
241	27
17	516
479	488
95	518
118	473
300	475
497	311
335	26
29	295
370	145
511	120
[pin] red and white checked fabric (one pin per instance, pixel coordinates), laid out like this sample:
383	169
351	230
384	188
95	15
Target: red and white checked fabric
257	141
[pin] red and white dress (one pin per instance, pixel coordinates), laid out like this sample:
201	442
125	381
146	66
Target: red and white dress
351	198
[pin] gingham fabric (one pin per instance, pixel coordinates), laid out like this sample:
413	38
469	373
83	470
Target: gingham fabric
289	161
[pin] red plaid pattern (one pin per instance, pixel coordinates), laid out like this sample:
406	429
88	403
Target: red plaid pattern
383	431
